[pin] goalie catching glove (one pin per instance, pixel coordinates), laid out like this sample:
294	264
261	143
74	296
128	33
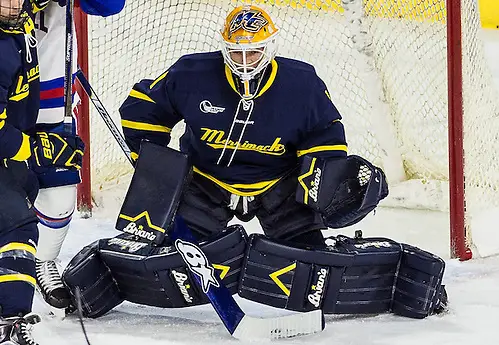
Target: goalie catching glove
343	190
60	150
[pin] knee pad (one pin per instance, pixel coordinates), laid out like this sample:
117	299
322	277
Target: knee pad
56	202
143	273
353	276
54	208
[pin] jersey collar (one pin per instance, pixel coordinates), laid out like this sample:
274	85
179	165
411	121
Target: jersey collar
266	86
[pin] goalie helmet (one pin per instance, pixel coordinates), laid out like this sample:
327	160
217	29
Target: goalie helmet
248	41
13	14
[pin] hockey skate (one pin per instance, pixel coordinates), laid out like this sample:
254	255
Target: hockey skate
50	285
17	330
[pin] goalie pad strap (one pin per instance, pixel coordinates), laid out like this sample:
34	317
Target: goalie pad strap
355	276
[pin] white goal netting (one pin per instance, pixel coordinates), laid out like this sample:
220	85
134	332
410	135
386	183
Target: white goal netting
385	65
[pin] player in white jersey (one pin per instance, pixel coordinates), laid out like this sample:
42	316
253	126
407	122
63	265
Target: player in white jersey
56	201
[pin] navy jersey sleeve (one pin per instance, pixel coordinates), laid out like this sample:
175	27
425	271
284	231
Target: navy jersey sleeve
149	113
14	144
324	134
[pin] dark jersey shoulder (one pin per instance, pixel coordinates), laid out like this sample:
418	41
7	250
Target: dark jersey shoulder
202	72
198	62
295	65
299	78
10	58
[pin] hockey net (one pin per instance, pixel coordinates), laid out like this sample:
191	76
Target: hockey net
385	64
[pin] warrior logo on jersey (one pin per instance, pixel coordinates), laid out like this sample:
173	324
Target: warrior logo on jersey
248	20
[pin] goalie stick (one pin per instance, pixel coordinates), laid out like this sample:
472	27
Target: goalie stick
239	325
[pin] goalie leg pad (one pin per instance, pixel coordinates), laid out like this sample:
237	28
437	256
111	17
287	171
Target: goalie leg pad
99	292
355	276
157	276
419	289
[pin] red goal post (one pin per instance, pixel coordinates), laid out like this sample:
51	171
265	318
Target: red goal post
368	58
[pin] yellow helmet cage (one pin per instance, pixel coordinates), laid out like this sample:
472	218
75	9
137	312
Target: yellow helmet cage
248	29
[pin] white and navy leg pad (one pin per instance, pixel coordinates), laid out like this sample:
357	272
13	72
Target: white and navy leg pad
353	276
143	273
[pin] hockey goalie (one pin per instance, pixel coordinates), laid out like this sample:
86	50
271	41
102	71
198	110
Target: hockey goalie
263	139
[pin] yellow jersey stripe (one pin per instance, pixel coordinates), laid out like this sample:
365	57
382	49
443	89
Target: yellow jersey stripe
161	77
140	95
142	126
17	277
3	116
33	78
235	188
24	151
269	82
18	246
322	148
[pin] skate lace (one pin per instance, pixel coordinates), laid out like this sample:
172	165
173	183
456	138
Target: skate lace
22	331
48	275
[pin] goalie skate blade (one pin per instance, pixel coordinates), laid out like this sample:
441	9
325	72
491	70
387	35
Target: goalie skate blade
290	326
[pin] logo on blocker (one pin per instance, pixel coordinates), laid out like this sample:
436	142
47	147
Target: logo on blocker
197	263
133	229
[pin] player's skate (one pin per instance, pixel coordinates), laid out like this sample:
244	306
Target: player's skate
50	285
17	330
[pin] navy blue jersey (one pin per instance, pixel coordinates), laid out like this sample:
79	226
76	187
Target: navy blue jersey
19	91
244	146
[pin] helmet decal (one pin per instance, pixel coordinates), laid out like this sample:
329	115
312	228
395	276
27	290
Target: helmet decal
248	20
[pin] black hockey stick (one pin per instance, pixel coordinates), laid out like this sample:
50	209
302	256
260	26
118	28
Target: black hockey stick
104	114
238	324
68	69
